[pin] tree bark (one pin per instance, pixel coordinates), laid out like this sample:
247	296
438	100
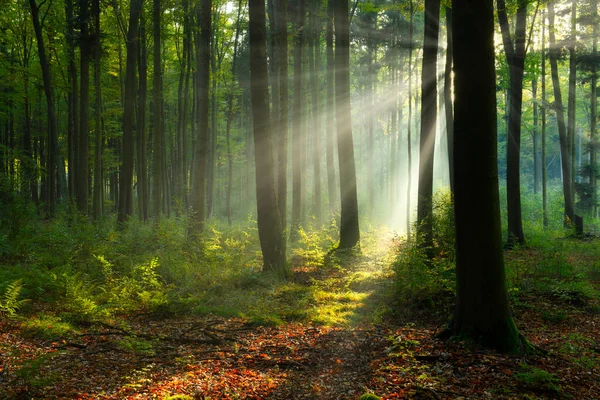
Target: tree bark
157	117
428	123
98	193
448	96
514	50
315	60
560	119
482	310
349	228
269	221
330	127
125	209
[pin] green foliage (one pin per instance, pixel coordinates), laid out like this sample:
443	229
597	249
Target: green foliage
369	396
536	378
9	301
47	326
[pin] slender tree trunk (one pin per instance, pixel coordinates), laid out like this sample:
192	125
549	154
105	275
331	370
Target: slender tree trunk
514	50
316	110
157	120
51	162
349	229
330	123
282	64
560	119
543	117
571	101
269	221
448	96
73	118
298	132
85	44
428	123
482	310
535	137
141	142
409	130
594	107
198	197
98	197
125	209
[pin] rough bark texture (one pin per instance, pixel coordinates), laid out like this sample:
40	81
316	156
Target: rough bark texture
428	124
482	311
269	222
349	229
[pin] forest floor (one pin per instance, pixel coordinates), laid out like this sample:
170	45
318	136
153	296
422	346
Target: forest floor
392	355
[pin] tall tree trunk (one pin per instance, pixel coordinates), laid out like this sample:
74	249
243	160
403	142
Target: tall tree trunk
560	119
543	117
86	46
157	120
535	137
514	49
594	106
141	138
282	64
349	229
448	96
314	64
51	162
125	209
73	114
428	124
269	221
571	101
198	196
299	131
330	127
411	28
98	194
482	310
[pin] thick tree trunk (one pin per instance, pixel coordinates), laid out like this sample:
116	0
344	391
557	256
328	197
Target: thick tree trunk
269	221
125	209
73	96
428	124
349	229
411	28
86	47
482	310
514	50
315	61
141	142
282	64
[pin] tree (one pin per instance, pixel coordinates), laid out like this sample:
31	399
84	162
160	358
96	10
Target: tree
330	123
314	67
349	229
514	49
448	95
52	145
270	231
482	310
98	198
82	167
157	108
560	120
428	122
198	195
125	208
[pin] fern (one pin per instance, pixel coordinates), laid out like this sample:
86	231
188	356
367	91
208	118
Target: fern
9	302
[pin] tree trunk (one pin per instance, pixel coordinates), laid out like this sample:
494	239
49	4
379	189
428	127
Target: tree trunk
157	119
411	29
349	229
594	107
560	119
315	61
482	311
299	131
428	123
572	96
448	96
543	117
198	196
125	209
86	46
269	221
535	137
51	162
98	197
330	127
141	138
73	96
282	64
514	50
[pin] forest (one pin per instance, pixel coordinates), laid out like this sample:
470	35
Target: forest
287	199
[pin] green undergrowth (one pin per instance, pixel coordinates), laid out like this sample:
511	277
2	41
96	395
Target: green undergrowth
81	272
